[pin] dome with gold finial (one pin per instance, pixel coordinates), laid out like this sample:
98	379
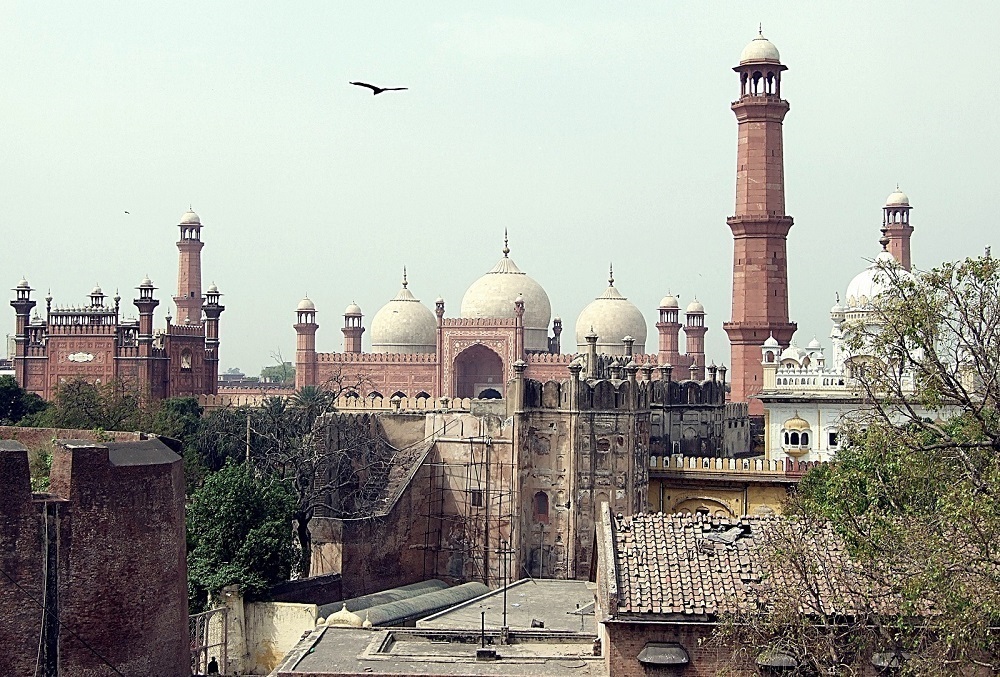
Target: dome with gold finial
493	296
612	317
796	423
404	325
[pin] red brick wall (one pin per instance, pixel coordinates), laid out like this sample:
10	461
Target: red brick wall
626	640
21	557
123	581
121	565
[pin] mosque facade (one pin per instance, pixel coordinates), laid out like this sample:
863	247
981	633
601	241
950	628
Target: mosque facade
505	317
95	342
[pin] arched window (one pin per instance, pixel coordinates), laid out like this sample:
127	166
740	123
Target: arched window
186	360
400	394
374	395
805	439
542	507
794	438
490	394
423	395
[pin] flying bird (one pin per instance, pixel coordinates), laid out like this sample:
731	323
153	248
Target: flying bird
126	211
378	90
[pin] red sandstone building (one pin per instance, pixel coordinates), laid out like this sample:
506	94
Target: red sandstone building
504	320
96	343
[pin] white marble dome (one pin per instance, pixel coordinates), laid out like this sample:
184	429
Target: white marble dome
695	307
190	219
404	325
897	198
493	296
668	302
871	282
353	309
760	49
306	304
612	317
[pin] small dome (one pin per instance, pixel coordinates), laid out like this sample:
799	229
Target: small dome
612	317
306	304
146	282
897	199
344	619
814	344
760	49
796	423
872	281
439	299
794	353
668	302
837	309
404	325
23	284
493	296
190	219
695	307
97	291
353	309
771	342
212	289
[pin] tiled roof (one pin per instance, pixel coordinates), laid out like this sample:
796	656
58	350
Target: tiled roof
697	566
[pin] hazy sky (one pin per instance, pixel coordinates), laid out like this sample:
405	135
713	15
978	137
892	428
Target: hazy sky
593	131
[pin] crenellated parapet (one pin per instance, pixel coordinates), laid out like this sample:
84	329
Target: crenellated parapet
378	358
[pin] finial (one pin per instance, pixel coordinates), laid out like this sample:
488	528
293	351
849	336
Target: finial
404	277
897	186
506	249
836	295
760	29
611	275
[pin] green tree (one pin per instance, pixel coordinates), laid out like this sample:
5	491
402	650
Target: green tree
239	532
283	373
915	497
78	403
16	403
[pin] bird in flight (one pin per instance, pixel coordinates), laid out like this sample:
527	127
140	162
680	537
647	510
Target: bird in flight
126	211
378	90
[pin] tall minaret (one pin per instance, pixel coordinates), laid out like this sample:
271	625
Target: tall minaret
306	373
760	225
188	299
896	228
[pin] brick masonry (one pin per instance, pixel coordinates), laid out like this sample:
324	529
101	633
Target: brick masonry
116	530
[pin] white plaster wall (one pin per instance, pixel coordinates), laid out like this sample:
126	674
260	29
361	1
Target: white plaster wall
272	629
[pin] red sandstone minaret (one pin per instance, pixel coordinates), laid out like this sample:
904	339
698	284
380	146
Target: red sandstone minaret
305	344
146	305
760	225
694	333
354	327
669	329
896	228
188	299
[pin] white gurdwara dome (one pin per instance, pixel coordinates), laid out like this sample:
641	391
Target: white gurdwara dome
872	281
760	49
493	296
404	325
612	317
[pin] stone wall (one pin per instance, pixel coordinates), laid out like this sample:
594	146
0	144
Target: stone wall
112	535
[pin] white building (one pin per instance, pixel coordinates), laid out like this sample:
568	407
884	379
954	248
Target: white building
807	393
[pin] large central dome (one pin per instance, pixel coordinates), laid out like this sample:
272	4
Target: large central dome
493	296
